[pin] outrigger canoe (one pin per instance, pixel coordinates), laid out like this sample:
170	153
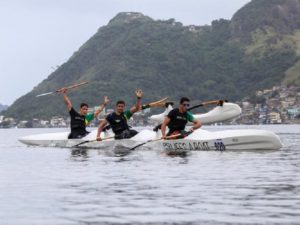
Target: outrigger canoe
199	140
225	112
202	140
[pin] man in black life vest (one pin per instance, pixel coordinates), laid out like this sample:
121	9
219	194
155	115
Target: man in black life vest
118	119
80	120
177	119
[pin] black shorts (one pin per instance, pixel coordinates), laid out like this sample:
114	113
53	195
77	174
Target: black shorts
180	133
126	134
77	135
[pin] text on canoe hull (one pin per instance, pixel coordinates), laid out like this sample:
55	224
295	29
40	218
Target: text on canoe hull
198	145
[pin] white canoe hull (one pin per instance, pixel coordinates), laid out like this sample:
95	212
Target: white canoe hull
202	140
199	140
60	139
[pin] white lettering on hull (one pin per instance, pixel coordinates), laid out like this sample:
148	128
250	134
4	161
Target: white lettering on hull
194	146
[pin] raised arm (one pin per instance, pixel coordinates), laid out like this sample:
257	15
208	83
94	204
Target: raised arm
138	105
100	128
67	101
102	106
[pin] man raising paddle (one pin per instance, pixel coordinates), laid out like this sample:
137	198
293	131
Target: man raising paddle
177	119
118	119
80	120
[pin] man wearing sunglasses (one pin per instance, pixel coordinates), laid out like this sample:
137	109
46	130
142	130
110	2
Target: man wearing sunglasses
177	119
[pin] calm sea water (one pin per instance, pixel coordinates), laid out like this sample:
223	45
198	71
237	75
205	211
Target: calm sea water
66	187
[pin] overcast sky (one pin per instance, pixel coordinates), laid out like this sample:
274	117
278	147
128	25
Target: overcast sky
38	35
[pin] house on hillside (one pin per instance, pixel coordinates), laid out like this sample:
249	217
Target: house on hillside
274	118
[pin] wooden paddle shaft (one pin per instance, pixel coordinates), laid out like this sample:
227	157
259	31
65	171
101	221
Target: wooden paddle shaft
211	102
73	86
158	103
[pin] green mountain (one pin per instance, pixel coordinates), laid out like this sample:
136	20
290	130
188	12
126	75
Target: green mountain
258	48
268	29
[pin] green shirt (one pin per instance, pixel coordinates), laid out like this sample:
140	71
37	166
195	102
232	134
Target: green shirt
128	114
88	118
190	116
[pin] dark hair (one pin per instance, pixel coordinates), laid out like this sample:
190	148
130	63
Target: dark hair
120	102
83	104
184	99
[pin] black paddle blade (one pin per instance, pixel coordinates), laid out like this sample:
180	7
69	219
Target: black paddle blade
221	102
81	143
194	107
138	145
169	103
185	134
182	134
158	127
121	150
179	135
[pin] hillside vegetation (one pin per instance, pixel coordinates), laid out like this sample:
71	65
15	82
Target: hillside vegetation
230	59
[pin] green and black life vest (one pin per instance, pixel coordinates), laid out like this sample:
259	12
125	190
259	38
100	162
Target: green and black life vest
78	124
178	120
117	122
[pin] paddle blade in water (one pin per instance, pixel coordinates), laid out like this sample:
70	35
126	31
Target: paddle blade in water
121	149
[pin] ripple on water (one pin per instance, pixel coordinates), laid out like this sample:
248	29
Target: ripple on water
63	186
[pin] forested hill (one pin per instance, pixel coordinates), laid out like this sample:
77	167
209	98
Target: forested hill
258	48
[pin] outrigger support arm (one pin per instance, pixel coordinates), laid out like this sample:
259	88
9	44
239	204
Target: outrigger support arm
159	103
215	102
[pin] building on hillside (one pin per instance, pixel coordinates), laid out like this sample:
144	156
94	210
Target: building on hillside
277	105
263	115
283	94
267	93
23	124
276	88
45	123
259	93
8	122
291	100
273	103
247	107
274	118
36	123
57	122
293	113
284	104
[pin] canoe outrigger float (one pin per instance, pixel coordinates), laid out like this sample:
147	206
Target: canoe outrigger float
199	140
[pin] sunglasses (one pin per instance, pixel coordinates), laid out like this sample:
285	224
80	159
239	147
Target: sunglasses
186	105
